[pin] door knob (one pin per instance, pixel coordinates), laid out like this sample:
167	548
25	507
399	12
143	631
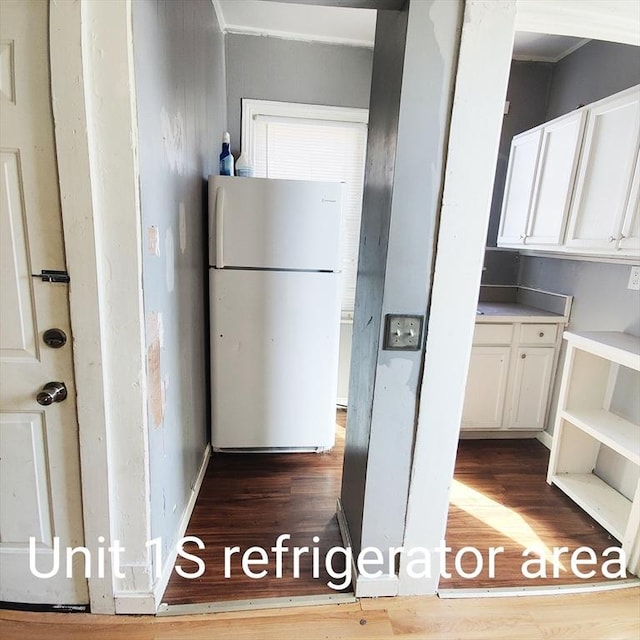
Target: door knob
52	392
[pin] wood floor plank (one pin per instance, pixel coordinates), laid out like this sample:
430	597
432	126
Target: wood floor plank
500	498
248	500
613	615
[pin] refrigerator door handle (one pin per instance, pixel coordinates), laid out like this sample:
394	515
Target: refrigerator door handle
219	227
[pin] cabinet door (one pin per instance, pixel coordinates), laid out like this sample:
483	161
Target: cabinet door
486	388
629	240
518	191
604	176
530	388
559	153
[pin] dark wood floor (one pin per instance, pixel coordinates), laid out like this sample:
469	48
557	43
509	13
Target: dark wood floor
500	498
248	500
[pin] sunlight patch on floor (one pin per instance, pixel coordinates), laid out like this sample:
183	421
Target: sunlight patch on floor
504	520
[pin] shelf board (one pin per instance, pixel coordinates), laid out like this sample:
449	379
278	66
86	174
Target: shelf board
622	348
615	432
603	503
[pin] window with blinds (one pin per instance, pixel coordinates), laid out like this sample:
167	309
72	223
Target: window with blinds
312	142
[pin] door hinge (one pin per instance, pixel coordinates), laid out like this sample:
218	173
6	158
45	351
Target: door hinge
50	275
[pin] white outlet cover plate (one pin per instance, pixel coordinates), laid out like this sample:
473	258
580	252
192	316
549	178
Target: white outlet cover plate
403	332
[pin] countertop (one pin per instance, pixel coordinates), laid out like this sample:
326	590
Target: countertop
515	312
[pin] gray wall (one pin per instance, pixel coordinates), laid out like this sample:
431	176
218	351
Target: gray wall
529	84
181	102
594	71
408	126
386	83
265	68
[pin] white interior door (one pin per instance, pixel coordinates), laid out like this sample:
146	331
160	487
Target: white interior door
39	462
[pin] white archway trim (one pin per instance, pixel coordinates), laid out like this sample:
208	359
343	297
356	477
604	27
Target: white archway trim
476	120
93	96
481	83
614	20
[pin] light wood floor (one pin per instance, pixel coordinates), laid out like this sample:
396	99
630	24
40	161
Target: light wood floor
613	615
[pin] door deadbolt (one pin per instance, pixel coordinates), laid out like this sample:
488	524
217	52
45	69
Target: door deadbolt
52	392
54	338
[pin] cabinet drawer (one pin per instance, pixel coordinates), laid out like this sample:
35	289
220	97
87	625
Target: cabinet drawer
538	334
493	334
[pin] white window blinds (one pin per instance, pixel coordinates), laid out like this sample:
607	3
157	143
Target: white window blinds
285	140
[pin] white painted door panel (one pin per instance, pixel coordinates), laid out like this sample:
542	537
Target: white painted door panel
530	387
629	240
518	192
606	169
274	224
39	463
274	353
486	387
556	171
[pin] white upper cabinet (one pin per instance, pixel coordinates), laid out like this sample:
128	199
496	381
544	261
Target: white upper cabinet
573	184
629	239
554	179
603	184
518	192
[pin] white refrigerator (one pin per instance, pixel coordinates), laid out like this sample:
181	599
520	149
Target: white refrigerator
274	248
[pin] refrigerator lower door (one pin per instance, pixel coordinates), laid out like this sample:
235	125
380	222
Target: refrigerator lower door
274	354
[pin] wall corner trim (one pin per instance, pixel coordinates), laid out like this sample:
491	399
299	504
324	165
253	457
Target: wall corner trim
163	580
363	586
217	9
135	603
546	438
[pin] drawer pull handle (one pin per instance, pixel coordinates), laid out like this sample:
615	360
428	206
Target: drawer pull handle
541	334
523	356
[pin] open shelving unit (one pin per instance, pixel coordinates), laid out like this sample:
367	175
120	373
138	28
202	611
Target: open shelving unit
585	422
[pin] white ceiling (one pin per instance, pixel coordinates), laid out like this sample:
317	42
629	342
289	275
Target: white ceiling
299	22
353	27
543	47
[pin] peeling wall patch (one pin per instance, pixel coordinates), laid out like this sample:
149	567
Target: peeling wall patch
173	136
170	261
153	241
156	387
182	227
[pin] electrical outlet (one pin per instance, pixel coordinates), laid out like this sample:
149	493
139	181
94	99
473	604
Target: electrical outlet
634	279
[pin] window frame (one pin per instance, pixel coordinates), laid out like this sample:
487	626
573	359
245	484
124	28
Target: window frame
253	109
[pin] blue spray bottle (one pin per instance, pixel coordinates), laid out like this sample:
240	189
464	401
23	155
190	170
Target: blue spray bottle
226	159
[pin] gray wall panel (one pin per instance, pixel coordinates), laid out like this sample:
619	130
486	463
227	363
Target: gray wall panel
594	71
265	68
374	238
403	183
181	102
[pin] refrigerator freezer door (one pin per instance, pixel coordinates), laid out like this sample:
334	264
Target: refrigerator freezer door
274	355
274	224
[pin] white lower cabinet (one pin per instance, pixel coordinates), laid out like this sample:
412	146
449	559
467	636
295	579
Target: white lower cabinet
510	377
486	387
533	367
